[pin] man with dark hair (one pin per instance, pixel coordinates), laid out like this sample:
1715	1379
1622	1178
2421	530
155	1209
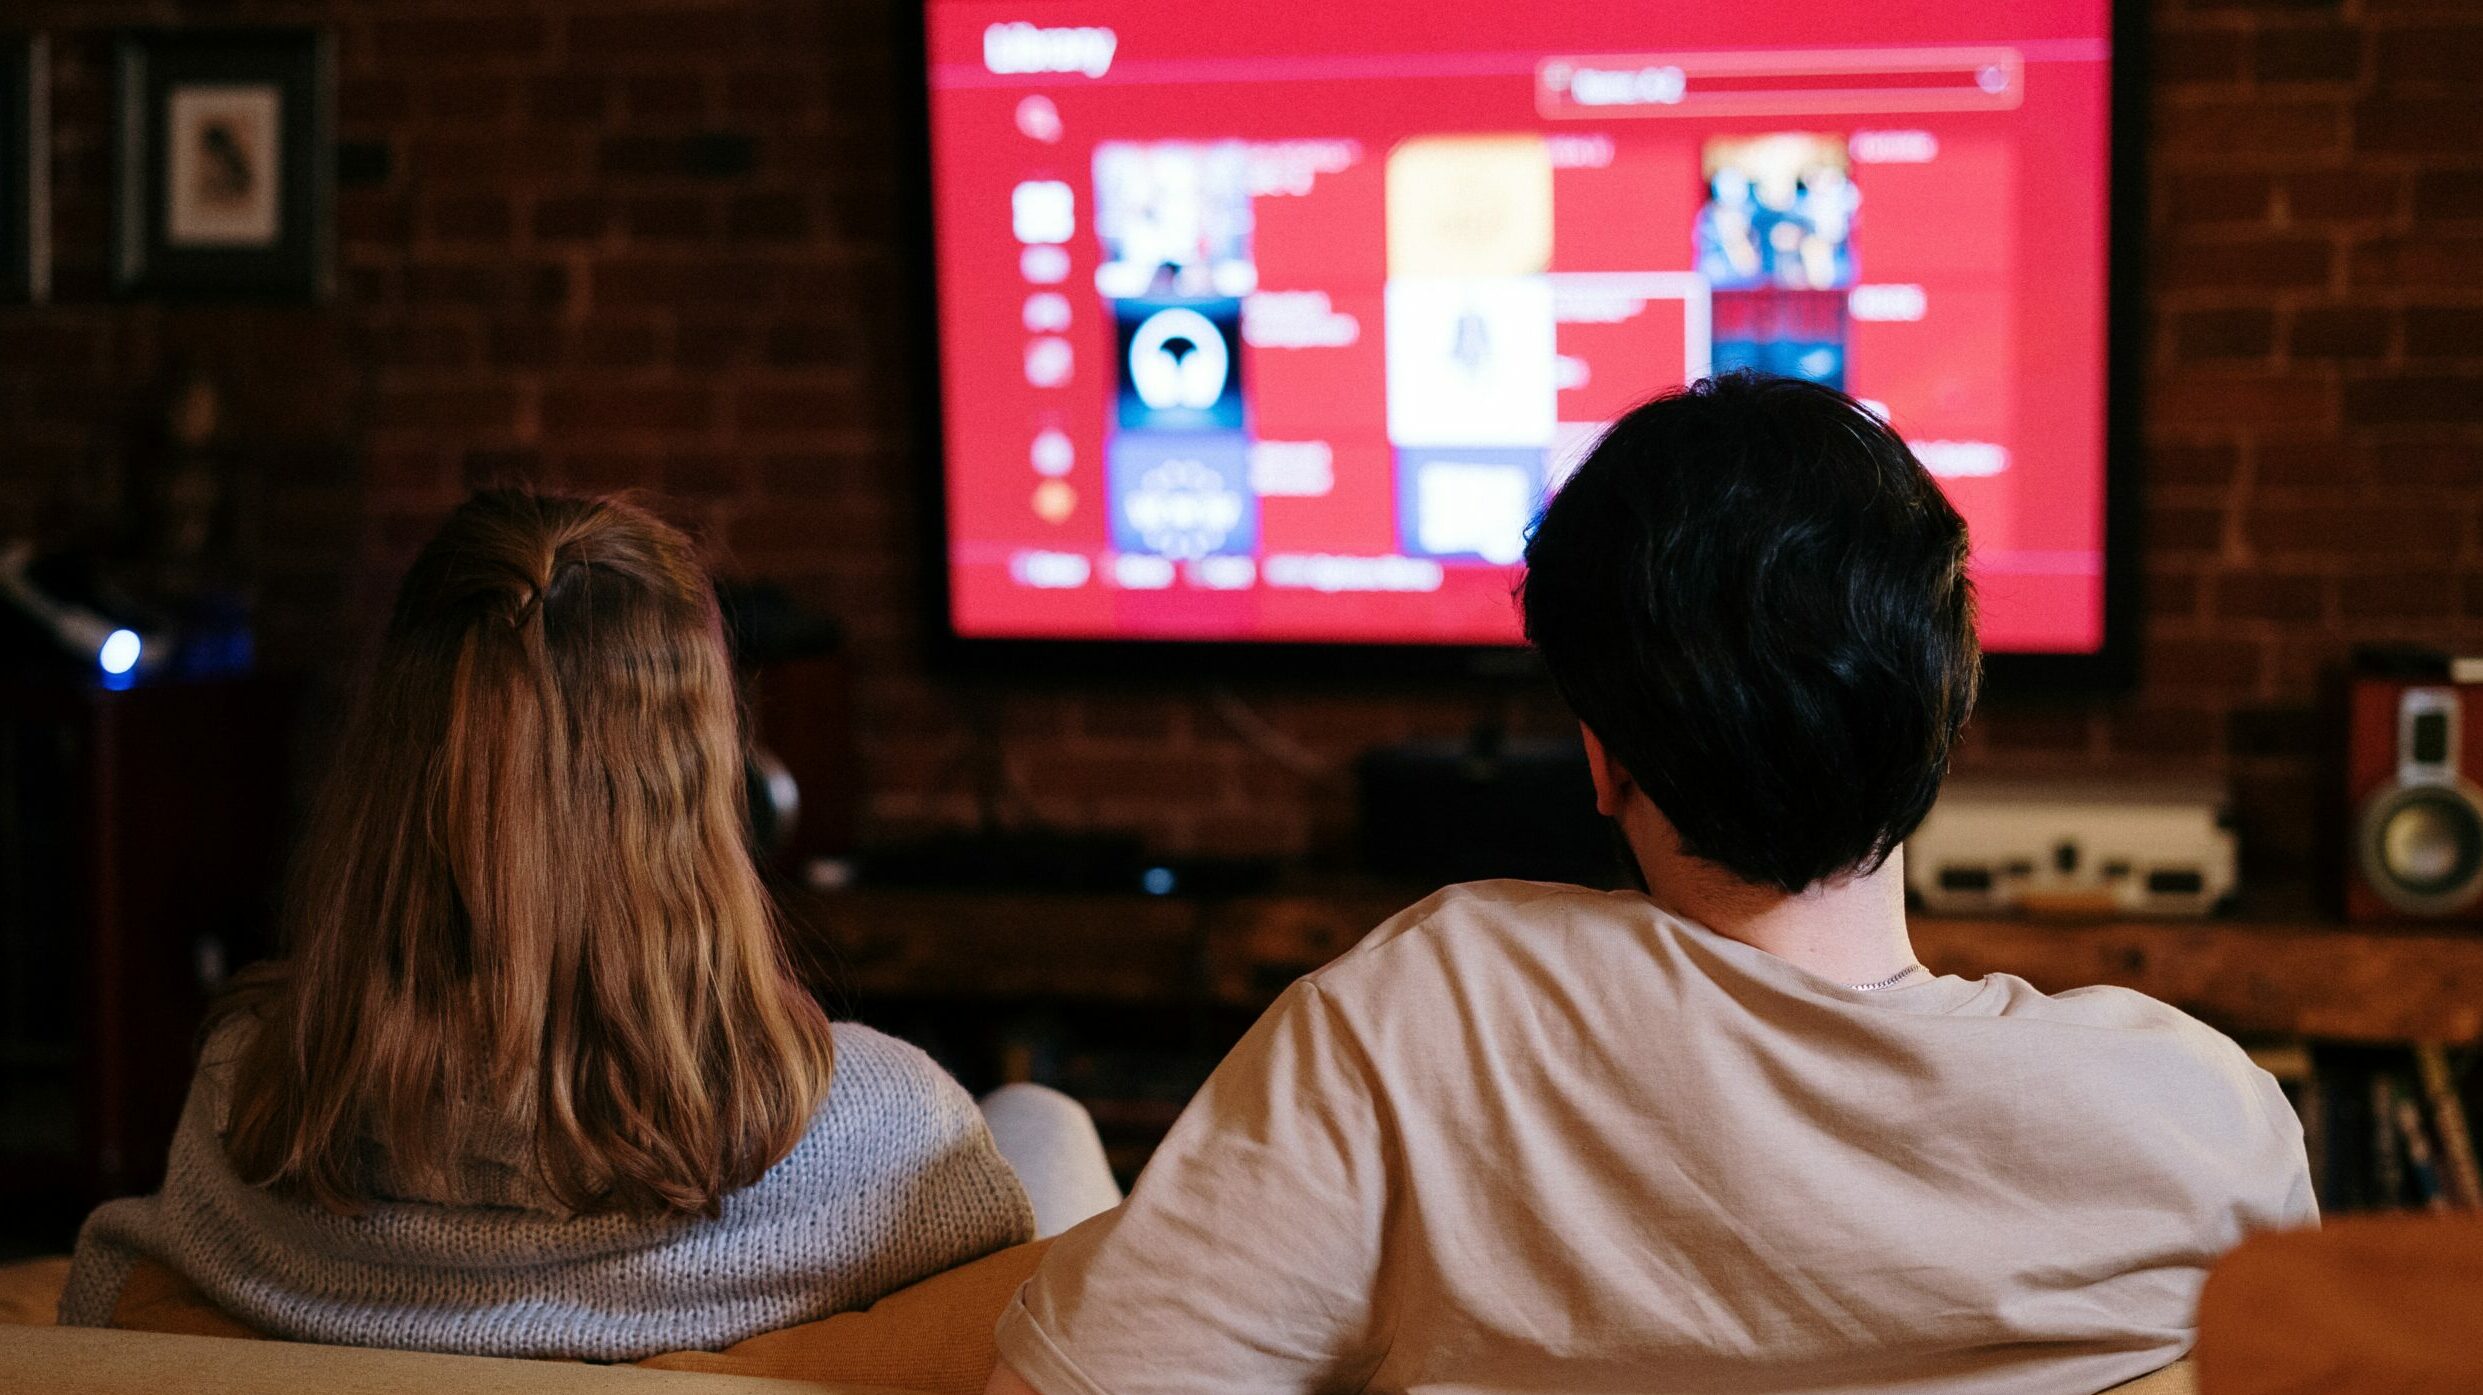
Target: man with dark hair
1724	1133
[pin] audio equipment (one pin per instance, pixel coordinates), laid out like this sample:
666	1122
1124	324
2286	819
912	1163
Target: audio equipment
2073	848
800	766
2414	750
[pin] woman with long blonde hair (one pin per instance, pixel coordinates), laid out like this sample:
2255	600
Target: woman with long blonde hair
536	1078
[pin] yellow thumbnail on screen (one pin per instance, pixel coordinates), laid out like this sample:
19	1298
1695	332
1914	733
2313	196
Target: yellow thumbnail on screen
1470	206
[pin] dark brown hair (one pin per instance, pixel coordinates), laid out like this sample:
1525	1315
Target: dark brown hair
1756	598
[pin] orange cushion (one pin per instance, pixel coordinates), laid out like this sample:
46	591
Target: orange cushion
30	1290
2369	1304
935	1337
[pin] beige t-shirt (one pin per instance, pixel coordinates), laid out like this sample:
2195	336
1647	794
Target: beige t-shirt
1530	1137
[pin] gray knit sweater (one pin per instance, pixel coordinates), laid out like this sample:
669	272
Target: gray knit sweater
897	1179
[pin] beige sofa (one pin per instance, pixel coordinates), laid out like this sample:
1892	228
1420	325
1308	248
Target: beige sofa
932	1339
96	1361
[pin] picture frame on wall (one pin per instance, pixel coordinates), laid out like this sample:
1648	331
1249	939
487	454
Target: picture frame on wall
226	164
25	170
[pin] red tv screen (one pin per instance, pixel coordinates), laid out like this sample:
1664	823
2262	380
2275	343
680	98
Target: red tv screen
1277	322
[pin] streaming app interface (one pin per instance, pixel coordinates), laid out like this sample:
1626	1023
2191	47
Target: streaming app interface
1280	321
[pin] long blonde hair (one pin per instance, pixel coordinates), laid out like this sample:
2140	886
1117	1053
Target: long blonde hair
525	902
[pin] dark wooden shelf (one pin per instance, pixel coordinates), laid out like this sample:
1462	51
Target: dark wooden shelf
2283	976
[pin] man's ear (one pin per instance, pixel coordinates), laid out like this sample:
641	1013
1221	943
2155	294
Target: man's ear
1612	783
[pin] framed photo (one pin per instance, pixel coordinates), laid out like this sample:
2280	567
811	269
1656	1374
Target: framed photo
226	164
25	171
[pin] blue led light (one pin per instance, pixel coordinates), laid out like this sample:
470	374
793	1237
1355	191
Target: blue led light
1158	881
119	653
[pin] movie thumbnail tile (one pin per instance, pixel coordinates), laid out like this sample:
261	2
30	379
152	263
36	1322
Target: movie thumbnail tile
1474	504
1471	361
1181	496
1180	365
1174	218
1779	211
1470	206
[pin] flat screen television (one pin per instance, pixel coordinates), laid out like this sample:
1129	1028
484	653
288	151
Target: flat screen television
1268	326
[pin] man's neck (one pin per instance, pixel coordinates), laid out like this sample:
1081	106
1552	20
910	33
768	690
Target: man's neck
1851	930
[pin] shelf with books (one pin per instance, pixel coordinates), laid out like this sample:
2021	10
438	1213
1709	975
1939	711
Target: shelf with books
1127	1000
2294	976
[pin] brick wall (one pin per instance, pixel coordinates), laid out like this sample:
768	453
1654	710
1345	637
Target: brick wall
652	243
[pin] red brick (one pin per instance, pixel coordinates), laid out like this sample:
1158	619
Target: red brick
2443	458
2163	732
2307	53
825	405
617	408
2365	530
364	102
2344	196
2339	332
657	34
2446	262
530	342
2444	331
612	463
49	339
2294	460
774	95
459	154
2257	264
714	344
2449	54
2184	529
675	283
2423	595
572	216
662	96
706	475
2042	729
638	156
446	410
2405	399
582	98
2216	334
2198	55
502	284
669	217
803	342
2218	196
2263	595
2223	127
2418	125
619	343
2200	399
2448	194
431	343
372	216
2193	462
469	97
767	217
501	468
2279	733
2181	661
483	218
512	39
2174	594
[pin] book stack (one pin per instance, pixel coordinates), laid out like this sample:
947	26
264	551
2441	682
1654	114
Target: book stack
2387	1128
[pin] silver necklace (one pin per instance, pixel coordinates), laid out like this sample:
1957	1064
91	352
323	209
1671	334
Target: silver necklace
1891	981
